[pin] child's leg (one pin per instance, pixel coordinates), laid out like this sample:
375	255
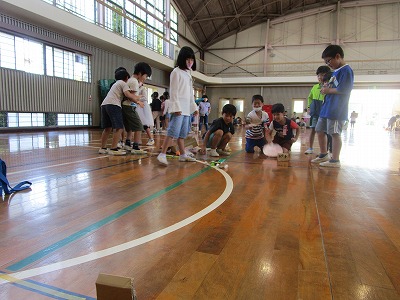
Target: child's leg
137	137
225	140
116	137
336	146
128	137
104	136
216	139
249	146
166	143
322	140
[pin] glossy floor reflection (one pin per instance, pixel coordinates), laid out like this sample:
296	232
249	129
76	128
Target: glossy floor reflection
283	231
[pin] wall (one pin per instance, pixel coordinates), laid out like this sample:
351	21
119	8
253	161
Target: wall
271	95
25	92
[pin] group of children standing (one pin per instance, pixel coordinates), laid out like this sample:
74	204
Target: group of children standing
328	102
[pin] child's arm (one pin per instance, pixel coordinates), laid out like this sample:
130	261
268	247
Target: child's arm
134	98
268	133
293	125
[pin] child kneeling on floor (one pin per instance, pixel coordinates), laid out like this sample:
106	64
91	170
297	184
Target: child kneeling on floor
283	127
220	132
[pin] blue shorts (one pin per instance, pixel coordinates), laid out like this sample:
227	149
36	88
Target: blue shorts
179	126
313	122
111	116
251	143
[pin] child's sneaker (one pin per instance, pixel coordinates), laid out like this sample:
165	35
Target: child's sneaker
103	151
127	148
213	152
162	159
321	158
223	152
116	152
186	158
120	145
309	151
150	142
331	163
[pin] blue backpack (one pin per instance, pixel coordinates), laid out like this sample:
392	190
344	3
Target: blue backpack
5	185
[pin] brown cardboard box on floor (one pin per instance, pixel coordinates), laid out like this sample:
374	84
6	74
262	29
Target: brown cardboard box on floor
111	287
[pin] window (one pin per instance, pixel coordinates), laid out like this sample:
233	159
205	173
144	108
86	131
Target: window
142	21
73	120
26	55
25	119
298	106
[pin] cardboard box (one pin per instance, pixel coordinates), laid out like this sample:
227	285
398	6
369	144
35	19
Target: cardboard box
111	287
283	157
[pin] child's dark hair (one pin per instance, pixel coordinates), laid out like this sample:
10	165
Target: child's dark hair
204	96
257	97
166	95
154	95
185	53
327	76
332	50
323	70
142	68
278	108
121	75
229	109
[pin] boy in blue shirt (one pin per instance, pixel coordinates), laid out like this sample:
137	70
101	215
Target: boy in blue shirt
334	112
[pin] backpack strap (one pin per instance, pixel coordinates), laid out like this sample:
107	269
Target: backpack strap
5	185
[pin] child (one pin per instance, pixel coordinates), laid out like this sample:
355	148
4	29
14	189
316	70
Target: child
156	110
220	132
283	128
204	111
111	113
334	112
133	124
145	115
181	104
166	113
315	101
257	122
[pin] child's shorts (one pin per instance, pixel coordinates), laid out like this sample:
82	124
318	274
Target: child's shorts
131	119
111	116
179	126
330	126
251	143
287	144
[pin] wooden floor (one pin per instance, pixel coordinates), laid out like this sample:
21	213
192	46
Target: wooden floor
257	230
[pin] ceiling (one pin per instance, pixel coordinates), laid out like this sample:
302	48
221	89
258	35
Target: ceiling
214	20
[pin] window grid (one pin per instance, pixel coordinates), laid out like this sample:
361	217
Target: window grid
145	22
30	56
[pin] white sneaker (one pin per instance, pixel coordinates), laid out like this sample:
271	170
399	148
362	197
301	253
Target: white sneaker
213	152
330	164
162	159
150	142
116	152
120	145
309	151
103	151
186	158
321	159
128	148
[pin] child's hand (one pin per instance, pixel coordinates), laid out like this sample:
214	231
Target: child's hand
140	103
294	139
195	113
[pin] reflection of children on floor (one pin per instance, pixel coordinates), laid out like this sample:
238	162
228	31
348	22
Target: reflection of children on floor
286	130
220	132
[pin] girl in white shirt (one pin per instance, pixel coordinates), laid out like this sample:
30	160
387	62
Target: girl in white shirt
181	104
